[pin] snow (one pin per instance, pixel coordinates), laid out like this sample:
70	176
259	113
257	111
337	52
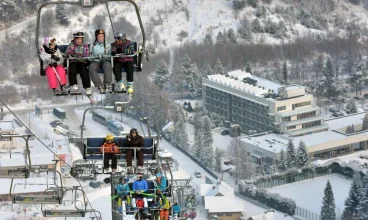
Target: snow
277	141
312	199
345	121
353	160
7	126
217	204
38	184
319	138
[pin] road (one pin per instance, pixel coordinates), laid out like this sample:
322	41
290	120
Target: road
24	24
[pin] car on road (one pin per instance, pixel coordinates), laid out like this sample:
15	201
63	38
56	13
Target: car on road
225	132
198	174
55	123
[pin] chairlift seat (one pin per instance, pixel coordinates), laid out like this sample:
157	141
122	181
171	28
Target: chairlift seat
64	213
92	149
14	172
37	199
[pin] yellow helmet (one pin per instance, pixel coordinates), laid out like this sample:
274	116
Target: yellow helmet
109	137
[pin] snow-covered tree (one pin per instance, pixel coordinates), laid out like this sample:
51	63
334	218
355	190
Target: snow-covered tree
192	88
355	195
208	40
352	107
244	167
328	204
352	128
218	162
363	204
256	26
207	142
302	157
348	129
179	135
290	154
329	82
260	11
198	137
282	166
219	68
208	70
285	72
245	29
358	75
219	38
61	16
365	122
162	74
248	67
231	35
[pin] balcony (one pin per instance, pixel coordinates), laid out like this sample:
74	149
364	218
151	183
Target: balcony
303	131
304	120
298	111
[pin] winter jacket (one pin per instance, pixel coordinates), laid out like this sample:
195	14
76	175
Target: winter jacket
77	51
162	185
46	53
98	48
140	185
176	209
109	148
127	47
137	141
122	189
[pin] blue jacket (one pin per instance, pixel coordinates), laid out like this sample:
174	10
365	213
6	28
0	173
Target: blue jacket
122	189
162	186
176	208
98	48
140	185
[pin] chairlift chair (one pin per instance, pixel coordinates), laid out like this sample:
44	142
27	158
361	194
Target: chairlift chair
138	57
14	172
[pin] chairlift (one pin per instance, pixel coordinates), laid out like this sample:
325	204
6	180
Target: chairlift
84	170
77	212
137	57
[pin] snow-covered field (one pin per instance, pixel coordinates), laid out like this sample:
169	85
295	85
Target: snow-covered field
308	194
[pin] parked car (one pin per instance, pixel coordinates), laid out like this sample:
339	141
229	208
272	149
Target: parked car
225	132
66	127
333	109
198	174
337	114
55	123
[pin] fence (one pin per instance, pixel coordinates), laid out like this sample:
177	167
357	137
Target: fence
269	183
306	214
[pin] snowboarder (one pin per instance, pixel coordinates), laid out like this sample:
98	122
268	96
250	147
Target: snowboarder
123	190
176	209
99	48
140	187
77	49
52	57
134	140
110	149
123	45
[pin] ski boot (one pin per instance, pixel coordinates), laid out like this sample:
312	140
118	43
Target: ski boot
130	170
139	169
88	91
108	88
56	91
63	89
101	89
75	88
130	90
121	86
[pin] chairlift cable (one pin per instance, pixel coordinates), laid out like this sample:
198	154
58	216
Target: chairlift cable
50	151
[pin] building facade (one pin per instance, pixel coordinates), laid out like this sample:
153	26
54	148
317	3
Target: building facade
258	104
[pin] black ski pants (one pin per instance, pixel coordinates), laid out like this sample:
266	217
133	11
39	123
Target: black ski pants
129	69
114	162
81	68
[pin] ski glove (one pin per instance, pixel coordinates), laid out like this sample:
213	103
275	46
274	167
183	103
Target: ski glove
55	57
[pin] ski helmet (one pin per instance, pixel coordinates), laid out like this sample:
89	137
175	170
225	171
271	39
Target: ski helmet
120	35
99	31
109	137
78	34
158	175
49	41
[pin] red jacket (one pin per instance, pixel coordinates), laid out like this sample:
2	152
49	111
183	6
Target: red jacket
109	148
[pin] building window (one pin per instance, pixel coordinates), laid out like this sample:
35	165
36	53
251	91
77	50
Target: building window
286	119
291	127
311	124
219	214
281	108
228	214
306	115
302	104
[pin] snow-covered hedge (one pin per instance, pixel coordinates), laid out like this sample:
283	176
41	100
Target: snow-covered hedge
272	200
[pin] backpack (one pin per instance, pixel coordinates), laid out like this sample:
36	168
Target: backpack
140	203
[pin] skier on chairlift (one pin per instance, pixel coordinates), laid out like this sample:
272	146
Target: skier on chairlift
110	149
123	190
134	140
53	58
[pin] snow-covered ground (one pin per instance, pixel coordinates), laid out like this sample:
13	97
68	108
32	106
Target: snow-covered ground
308	194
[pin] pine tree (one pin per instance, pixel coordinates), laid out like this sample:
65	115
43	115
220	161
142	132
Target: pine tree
219	69
282	166
179	135
208	70
352	128
355	195
208	40
302	155
218	162
61	15
363	204
328	204
231	35
198	139
248	67
245	30
192	88
207	142
365	122
219	38
162	74
256	26
290	154
285	72
358	75
329	81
